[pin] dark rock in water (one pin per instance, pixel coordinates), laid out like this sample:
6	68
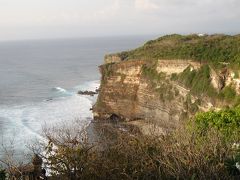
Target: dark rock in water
88	93
97	90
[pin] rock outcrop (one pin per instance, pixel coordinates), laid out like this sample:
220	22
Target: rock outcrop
112	59
128	94
161	82
88	93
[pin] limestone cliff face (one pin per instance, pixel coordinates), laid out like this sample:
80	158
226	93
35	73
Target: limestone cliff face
126	92
112	59
119	90
175	66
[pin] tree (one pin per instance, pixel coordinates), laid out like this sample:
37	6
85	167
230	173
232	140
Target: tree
66	151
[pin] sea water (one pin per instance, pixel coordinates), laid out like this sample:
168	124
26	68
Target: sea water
39	80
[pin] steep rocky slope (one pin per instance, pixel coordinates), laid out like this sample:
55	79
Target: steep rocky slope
163	91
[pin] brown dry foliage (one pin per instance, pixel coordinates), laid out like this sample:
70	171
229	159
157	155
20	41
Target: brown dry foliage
121	155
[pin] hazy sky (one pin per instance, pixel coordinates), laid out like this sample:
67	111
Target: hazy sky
27	19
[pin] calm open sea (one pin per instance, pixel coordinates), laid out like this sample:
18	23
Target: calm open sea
39	80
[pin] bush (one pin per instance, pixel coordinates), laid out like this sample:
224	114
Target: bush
174	77
150	72
228	93
198	81
236	74
225	121
107	71
211	48
2	174
186	153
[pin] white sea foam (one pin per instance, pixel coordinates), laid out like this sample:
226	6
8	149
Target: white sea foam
25	123
58	92
59	89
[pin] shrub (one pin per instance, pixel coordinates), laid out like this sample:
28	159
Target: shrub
193	108
236	74
174	77
186	153
228	93
226	121
150	72
2	174
211	48
198	81
107	71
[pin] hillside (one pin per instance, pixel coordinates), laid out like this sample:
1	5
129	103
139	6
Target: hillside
170	79
207	48
186	88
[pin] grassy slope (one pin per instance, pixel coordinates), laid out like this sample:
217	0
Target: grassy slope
209	48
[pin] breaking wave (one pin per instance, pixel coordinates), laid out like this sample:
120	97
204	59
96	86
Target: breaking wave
59	89
24	123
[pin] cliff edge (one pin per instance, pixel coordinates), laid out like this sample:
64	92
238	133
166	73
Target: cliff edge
166	89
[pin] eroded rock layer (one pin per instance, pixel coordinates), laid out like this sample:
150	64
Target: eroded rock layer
125	92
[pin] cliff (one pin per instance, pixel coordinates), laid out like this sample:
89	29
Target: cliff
163	91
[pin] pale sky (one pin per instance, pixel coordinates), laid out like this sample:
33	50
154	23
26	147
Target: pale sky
42	19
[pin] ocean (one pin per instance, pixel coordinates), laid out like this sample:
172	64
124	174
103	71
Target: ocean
39	81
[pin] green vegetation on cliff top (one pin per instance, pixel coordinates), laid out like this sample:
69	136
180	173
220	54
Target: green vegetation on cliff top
208	48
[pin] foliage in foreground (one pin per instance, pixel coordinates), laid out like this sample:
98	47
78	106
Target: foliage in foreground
227	122
2	174
199	150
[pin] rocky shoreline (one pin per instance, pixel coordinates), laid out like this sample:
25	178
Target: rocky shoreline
88	93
